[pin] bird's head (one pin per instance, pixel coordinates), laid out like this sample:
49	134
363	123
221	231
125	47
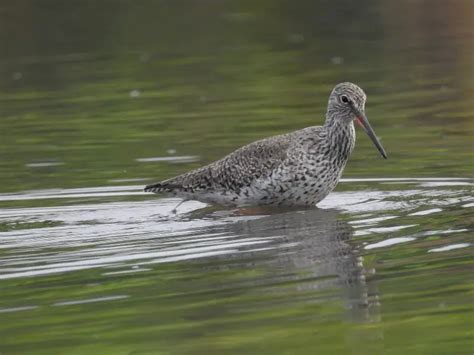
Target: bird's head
347	103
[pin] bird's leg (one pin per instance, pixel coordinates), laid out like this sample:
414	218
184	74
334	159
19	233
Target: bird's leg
175	210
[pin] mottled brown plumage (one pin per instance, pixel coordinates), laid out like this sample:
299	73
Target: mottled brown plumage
298	168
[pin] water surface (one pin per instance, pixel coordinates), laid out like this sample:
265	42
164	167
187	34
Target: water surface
98	99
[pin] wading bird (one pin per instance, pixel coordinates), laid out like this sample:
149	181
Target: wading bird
295	169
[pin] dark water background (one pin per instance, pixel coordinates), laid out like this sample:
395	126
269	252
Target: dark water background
98	98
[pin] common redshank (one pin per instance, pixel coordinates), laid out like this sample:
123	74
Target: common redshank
295	169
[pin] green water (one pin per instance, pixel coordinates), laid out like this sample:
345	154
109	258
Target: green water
99	98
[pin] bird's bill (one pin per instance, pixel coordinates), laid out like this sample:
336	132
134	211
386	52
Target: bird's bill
364	123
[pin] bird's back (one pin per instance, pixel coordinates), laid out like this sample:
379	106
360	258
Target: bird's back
232	173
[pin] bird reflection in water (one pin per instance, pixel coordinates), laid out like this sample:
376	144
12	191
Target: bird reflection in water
311	250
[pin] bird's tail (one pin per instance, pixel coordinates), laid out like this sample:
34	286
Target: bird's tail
163	187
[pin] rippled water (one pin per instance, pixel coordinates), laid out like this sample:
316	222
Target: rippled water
98	99
375	262
147	232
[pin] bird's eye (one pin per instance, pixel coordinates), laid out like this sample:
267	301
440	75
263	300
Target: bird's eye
345	99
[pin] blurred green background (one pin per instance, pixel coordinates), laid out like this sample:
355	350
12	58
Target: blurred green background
89	87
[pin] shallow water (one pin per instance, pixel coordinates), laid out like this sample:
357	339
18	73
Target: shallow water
97	102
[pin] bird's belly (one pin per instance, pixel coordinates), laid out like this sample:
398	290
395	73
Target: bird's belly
284	193
290	187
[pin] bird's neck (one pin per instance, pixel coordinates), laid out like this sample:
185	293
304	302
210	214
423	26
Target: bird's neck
340	136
